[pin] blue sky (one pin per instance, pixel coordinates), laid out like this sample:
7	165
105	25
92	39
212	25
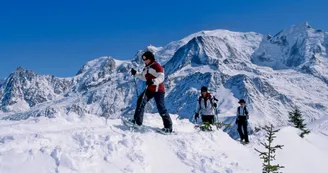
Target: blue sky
58	37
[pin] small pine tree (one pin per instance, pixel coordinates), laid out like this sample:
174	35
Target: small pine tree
295	117
206	126
220	124
269	155
257	129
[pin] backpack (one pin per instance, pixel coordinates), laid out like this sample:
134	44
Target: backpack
211	100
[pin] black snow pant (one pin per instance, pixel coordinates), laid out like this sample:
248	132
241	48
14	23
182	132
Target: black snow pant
159	99
242	124
208	119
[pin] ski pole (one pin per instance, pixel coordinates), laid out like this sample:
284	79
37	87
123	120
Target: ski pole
143	97
216	118
195	119
135	82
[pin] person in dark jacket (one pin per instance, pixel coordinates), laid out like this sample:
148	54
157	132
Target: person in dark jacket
153	74
206	106
241	121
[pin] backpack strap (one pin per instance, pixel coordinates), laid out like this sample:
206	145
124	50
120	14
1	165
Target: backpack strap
245	111
199	100
210	98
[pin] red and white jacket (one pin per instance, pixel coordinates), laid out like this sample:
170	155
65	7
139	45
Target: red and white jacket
155	72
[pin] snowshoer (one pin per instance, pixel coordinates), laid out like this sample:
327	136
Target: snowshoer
241	121
153	74
206	106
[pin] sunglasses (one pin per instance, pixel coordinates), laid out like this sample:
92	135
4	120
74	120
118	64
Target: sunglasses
144	59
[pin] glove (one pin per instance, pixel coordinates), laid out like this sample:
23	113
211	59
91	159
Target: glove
196	115
247	116
133	71
215	105
237	120
150	82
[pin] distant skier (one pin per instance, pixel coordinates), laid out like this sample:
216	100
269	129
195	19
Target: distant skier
153	74
241	121
206	106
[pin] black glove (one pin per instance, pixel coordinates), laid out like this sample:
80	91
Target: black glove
150	82
196	115
133	71
215	105
237	120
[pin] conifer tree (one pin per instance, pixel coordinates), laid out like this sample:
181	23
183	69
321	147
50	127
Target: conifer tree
296	118
268	156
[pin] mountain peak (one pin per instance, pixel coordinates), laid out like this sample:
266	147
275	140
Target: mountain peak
1	82
214	48
299	30
304	25
292	47
22	73
152	48
19	68
97	64
138	59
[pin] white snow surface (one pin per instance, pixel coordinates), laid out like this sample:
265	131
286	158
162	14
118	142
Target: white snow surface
92	144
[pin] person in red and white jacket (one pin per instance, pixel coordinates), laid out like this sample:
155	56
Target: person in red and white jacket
153	74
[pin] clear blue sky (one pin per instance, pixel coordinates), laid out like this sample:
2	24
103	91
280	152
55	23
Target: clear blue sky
58	37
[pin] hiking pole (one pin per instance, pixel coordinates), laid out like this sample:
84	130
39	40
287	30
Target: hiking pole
142	98
216	114
135	83
144	93
136	86
195	119
216	118
196	125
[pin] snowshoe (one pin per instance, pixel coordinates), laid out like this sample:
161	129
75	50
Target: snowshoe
165	131
132	125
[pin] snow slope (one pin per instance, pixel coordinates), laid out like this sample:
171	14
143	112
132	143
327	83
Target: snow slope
92	144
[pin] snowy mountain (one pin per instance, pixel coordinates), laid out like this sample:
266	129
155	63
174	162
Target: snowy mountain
300	47
1	82
24	89
71	125
229	63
